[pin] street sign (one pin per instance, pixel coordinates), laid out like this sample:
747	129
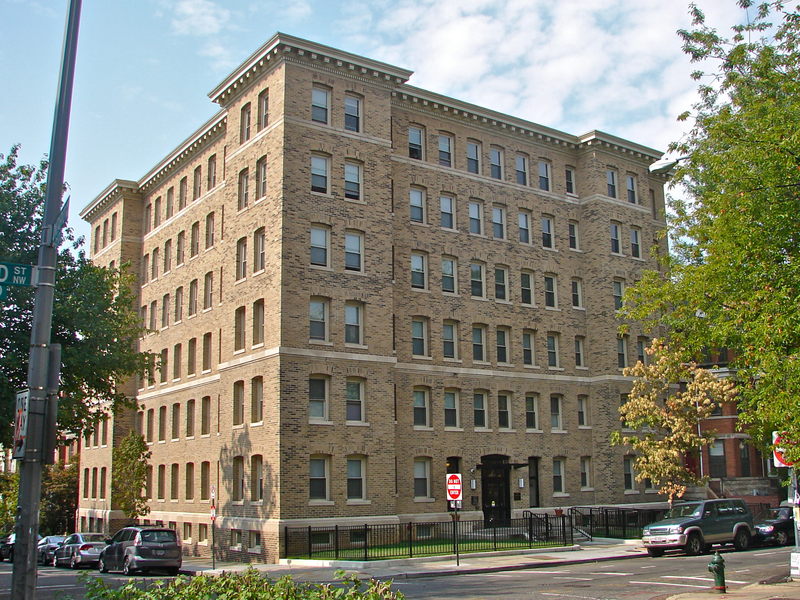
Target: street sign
3	292
213	493
779	460
20	424
213	513
14	274
454	486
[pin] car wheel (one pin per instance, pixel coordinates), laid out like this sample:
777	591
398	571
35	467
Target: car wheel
655	552
73	562
694	545
782	537
741	540
101	565
127	567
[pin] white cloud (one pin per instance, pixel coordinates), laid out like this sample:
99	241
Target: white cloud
199	17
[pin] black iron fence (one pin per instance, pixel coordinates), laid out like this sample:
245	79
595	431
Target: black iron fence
406	540
613	522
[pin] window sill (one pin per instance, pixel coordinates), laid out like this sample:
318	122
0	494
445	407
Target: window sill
319	422
320	267
420	290
321	503
532	366
504	430
555	368
534	431
256	502
237	502
484	429
320	342
452	360
326	194
239	351
505	364
257	424
256	346
422	428
584	426
483	363
424	500
237	426
453	428
631	492
480	298
560	431
582	368
549	249
357	423
256	550
359	272
587	489
553	308
651	491
508	302
358	502
560	495
419	357
357	346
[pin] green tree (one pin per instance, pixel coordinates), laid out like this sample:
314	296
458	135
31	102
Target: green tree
9	491
733	280
94	315
129	475
59	498
668	399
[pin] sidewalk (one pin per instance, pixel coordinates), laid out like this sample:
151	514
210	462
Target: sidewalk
597	551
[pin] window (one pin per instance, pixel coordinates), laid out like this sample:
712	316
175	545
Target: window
476	278
476	218
450	339
256	478
205	416
556	421
627	474
318	398
615	238
243	189
574	240
197	181
180	246
241	258
496	163
190	407
355	479
162	423
416	201
177	350
318	319
449	275
191	357
352	113
415	137
501	342
320	101
479	343
479	409
504	410
319	174
419	275
238	402
259	250
156	219
622	351
422	476
162	476
261	178
473	157
445	150
550	291
451	408
524	225
583	411
188	491
586	472
353	250
209	230
263	109
580	360
501	283
544	175
630	188
498	222
205	480
319	246
547	232
353	323
167	256
238	329
421	407
354	407
611	183
207	351
211	173
558	475
447	210
552	350
208	290
641	354
617	291
244	124
577	293
636	248
531	411
165	311
183	192
352	181
154	264
179	304
569	180
164	366
528	356
526	287
521	164
419	336
193	297
256	399
150	424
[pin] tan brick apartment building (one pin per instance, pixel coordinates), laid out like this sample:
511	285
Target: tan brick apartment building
356	286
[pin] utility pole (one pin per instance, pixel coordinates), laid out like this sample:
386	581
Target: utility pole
42	367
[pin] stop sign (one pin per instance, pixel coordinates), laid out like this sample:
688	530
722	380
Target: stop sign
777	454
454	486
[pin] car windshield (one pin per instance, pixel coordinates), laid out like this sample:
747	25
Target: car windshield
93	537
689	509
158	536
54	539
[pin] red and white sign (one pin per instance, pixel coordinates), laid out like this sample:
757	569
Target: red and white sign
454	486
777	454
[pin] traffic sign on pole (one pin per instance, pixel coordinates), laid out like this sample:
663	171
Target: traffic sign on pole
779	460
14	274
454	486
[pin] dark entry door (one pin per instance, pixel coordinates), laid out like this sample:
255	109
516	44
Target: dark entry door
533	480
496	490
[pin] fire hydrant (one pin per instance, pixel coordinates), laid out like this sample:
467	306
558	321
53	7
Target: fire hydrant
717	567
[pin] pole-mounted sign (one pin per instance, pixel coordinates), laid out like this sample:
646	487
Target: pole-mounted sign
779	442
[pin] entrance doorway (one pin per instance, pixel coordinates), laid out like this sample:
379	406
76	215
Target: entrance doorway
496	490
533	480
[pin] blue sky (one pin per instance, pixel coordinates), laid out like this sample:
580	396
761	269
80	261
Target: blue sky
145	67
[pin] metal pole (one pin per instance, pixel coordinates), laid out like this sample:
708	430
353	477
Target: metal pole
23	581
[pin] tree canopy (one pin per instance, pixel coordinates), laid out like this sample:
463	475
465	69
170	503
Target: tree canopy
94	315
734	275
129	475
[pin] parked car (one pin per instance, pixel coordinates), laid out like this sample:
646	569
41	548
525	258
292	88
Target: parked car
695	526
7	547
775	525
141	548
79	549
47	546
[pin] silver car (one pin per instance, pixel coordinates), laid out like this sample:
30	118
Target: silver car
79	549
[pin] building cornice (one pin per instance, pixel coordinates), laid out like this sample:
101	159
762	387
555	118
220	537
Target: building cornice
612	143
281	45
108	196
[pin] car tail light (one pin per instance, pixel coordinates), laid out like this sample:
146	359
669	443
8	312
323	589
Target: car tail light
137	541
85	548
